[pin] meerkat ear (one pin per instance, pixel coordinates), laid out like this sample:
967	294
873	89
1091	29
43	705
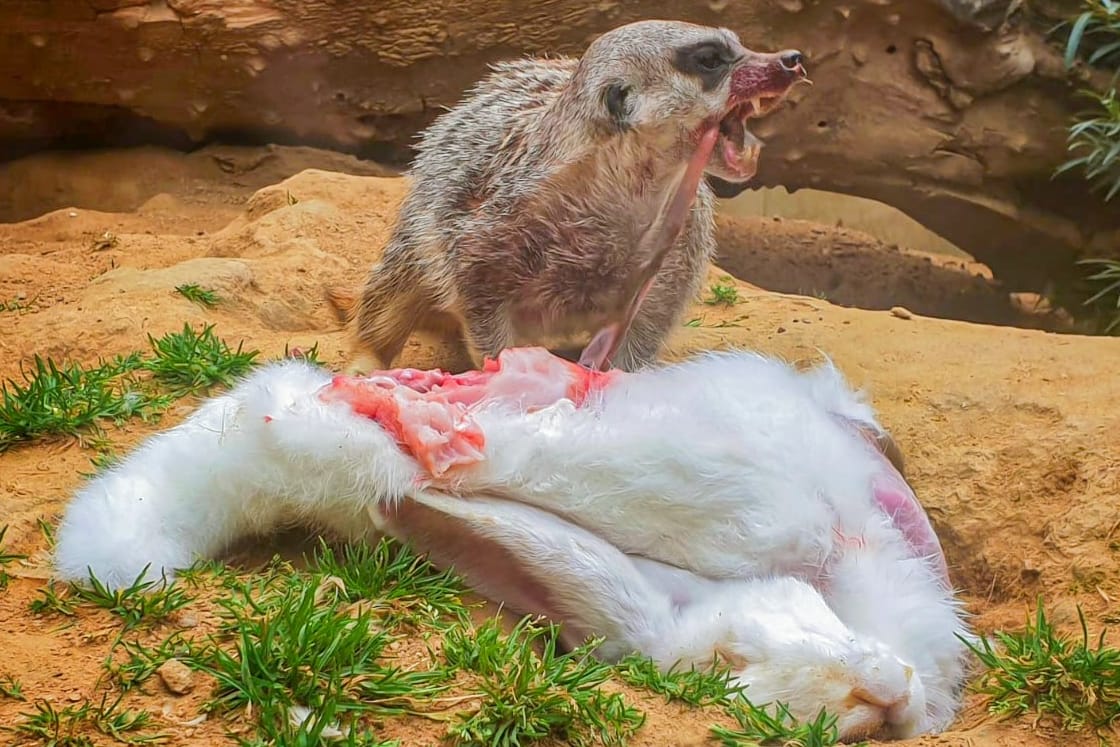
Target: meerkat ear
616	98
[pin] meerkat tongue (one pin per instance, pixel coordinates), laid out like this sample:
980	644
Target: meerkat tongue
655	243
742	157
733	126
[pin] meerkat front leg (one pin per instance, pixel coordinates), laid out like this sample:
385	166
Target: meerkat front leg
487	328
648	333
392	302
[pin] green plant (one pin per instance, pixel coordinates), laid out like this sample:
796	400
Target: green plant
1097	132
187	362
139	602
13	305
311	354
1107	298
697	688
196	294
64	728
6	558
299	645
1052	674
10	687
73	399
723	293
52	600
65	400
528	696
405	587
142	661
1095	33
758	726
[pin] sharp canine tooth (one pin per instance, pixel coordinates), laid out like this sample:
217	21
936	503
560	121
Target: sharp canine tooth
756	102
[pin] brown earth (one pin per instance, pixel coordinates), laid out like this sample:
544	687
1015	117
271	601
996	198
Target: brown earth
1009	432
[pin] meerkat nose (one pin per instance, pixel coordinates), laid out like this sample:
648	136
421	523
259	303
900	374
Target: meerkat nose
791	59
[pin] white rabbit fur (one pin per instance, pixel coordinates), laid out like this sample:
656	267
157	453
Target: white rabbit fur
686	509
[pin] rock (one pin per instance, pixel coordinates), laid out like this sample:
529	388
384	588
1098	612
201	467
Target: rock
901	312
949	110
176	676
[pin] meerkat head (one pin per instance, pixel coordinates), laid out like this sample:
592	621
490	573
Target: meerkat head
665	80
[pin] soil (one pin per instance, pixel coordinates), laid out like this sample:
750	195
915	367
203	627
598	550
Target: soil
1008	428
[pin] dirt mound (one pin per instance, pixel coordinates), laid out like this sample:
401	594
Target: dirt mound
1009	433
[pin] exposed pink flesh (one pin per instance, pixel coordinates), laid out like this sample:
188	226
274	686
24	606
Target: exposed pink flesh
656	242
429	413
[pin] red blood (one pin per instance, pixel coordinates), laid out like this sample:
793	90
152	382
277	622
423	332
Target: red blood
429	412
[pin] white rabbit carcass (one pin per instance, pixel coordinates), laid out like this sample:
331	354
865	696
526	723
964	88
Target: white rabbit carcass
727	505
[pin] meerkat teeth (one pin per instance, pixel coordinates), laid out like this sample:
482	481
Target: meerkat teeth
756	102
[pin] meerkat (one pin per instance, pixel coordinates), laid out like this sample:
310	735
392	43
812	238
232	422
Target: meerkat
528	200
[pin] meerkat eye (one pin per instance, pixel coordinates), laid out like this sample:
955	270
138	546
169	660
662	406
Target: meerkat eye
709	59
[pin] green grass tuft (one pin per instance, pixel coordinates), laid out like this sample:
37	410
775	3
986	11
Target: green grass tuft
145	602
199	295
13	305
66	400
54	599
405	586
73	400
6	558
1039	670
70	726
311	354
307	640
528	696
140	602
10	687
142	661
191	362
761	726
723	294
697	688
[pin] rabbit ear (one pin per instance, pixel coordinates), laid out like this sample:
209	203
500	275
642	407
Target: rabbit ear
539	564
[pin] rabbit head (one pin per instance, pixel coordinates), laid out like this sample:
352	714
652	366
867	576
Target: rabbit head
789	647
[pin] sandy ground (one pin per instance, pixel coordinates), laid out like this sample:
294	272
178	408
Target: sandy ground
1009	433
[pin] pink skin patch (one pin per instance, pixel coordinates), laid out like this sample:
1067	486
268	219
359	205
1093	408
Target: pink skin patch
894	496
770	79
898	501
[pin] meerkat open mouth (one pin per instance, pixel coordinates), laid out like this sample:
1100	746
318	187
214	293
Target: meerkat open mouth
738	146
